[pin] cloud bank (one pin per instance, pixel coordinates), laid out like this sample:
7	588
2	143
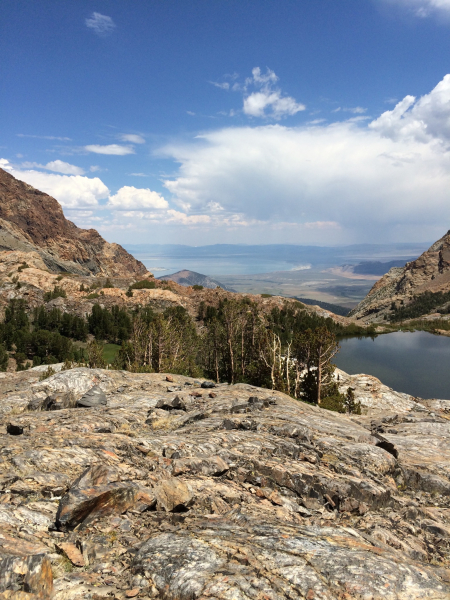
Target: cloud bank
393	173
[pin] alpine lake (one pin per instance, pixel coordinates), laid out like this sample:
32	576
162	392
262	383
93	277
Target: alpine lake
417	362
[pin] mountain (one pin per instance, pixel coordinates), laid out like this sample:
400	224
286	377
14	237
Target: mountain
334	308
402	287
187	278
376	267
32	221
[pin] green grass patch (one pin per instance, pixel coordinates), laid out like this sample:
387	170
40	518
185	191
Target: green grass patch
110	352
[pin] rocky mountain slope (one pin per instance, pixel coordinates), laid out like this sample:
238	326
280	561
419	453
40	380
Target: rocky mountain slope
428	273
121	485
31	284
188	278
31	221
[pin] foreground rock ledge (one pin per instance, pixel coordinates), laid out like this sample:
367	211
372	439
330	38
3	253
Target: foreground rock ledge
174	491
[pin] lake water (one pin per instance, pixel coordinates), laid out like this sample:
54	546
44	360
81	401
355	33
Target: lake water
417	363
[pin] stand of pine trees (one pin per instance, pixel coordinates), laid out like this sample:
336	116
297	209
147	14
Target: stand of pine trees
288	350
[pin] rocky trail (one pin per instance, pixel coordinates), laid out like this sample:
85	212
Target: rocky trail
122	485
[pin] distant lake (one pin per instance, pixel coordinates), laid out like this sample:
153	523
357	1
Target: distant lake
216	265
417	363
241	259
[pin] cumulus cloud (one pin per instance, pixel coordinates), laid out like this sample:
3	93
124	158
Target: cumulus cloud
133	138
100	24
72	191
268	101
113	149
131	198
261	96
393	173
58	166
422	120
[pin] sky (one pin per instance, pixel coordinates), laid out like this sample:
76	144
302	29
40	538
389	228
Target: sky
231	121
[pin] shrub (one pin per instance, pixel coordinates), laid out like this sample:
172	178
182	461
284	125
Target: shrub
56	293
197	287
266	295
23	266
3	358
334	403
46	374
92	296
108	283
342	403
95	355
145	284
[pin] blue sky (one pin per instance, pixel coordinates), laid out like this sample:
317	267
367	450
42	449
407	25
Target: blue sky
324	121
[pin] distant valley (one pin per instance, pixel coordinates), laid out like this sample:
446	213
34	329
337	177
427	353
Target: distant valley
340	276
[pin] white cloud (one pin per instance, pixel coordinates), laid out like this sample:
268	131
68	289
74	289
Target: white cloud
358	110
132	138
131	198
175	216
5	164
58	166
422	120
100	24
392	174
113	149
268	102
72	191
45	137
423	8
223	86
255	105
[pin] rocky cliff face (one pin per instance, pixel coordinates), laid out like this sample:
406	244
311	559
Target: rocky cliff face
33	221
430	272
121	485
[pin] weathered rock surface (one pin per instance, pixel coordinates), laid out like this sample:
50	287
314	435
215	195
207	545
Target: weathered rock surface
248	494
33	222
430	272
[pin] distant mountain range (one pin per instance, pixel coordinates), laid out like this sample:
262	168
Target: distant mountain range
189	278
377	267
290	253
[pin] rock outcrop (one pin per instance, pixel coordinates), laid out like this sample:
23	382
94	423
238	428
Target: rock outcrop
33	222
218	492
428	273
